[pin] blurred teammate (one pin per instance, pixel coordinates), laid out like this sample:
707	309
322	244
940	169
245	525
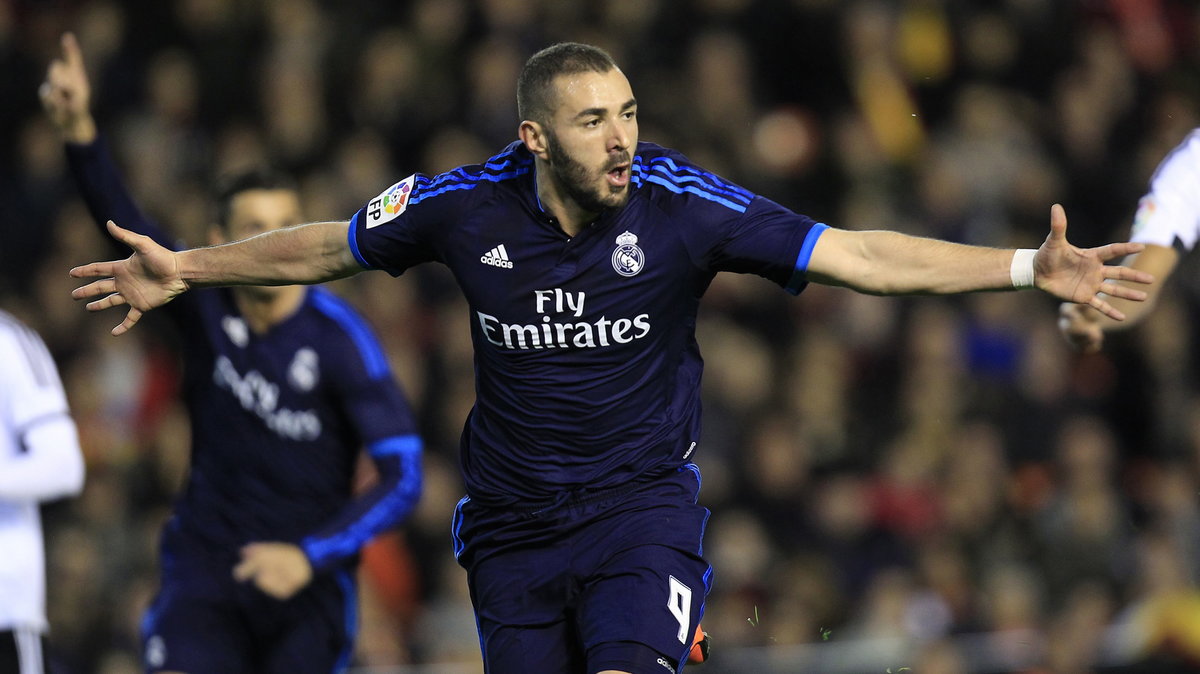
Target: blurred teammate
284	386
39	461
583	255
1167	222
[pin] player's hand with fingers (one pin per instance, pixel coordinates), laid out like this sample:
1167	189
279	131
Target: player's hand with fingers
66	94
1080	275
145	280
1080	326
277	569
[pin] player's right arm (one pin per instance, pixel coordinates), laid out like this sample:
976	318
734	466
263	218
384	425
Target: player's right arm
154	275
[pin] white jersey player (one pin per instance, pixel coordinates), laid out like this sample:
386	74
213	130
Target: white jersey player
1167	222
40	461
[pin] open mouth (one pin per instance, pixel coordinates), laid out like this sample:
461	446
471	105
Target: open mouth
618	176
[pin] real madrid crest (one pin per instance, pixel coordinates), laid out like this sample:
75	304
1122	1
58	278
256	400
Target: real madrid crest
628	259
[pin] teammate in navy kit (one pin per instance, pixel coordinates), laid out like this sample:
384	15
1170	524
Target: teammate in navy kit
285	386
583	255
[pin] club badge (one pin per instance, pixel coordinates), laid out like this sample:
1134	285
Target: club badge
628	259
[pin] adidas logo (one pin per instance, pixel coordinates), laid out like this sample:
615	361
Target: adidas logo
497	257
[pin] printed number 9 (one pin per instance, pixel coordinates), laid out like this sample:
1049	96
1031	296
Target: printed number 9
679	603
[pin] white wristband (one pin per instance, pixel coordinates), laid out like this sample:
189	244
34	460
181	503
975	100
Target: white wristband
1021	270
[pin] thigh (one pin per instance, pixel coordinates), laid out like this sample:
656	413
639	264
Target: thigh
522	607
188	631
651	579
316	628
22	651
652	595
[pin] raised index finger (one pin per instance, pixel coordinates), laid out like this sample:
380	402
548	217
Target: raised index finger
72	54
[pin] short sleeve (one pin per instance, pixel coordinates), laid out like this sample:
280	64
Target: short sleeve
1169	214
397	229
32	388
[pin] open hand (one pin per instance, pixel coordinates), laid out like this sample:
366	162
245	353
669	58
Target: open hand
1079	275
147	279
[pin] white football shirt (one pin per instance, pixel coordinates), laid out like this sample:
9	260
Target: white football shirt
1169	214
40	460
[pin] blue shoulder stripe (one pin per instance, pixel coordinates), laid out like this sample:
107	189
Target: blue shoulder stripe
368	346
667	167
680	180
504	166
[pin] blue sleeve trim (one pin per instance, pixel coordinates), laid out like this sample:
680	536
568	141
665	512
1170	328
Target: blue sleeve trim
352	238
397	445
360	333
799	276
392	506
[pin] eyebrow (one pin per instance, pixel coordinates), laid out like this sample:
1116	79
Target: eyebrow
599	112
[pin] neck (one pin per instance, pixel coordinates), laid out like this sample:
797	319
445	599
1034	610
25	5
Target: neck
264	307
571	217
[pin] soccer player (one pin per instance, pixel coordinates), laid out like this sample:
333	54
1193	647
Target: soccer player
40	461
583	254
1167	222
285	386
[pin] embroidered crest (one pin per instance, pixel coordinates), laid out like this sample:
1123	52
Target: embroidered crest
237	330
628	259
303	372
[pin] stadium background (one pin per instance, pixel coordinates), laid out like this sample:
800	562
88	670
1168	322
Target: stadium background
935	485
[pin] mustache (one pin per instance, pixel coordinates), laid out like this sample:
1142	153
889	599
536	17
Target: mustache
613	163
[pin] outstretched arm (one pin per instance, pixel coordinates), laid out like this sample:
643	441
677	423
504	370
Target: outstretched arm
890	263
1084	328
154	275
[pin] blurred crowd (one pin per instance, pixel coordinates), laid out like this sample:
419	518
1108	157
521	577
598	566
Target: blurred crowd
895	471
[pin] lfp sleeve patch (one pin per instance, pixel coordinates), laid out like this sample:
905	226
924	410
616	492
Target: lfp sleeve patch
390	203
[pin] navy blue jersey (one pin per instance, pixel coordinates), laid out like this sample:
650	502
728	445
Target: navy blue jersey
277	419
586	364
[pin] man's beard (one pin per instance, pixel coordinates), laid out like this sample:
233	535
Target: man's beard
576	180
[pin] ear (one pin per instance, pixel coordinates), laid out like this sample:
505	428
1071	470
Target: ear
534	137
216	235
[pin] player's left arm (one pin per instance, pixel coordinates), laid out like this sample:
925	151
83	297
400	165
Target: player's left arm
890	263
281	569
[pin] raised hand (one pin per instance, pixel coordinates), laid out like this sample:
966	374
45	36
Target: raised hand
1079	275
66	94
147	279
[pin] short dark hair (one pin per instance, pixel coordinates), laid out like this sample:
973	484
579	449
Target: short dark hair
261	178
534	90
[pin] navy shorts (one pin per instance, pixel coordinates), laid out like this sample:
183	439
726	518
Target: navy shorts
563	588
202	620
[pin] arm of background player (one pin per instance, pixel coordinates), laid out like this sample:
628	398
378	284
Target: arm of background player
281	569
51	465
48	463
389	502
1084	327
66	97
890	263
